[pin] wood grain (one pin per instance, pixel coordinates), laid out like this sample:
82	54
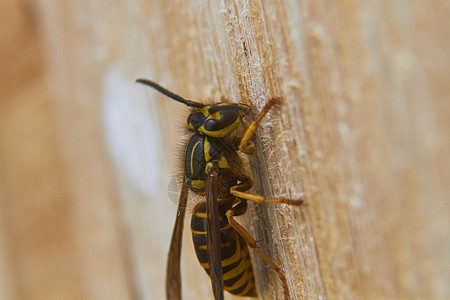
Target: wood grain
362	131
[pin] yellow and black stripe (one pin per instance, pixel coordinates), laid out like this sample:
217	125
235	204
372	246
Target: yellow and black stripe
236	264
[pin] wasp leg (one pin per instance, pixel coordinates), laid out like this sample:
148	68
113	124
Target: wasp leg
260	199
237	210
244	146
249	148
240	189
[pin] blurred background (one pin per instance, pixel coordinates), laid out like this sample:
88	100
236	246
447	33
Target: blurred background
86	157
60	235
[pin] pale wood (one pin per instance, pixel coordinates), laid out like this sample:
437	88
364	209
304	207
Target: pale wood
59	236
362	131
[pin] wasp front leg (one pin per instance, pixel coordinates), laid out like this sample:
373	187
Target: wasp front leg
245	145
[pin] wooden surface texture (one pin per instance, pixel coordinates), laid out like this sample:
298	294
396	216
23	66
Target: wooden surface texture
89	160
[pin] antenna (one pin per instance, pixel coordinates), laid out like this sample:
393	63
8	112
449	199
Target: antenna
169	93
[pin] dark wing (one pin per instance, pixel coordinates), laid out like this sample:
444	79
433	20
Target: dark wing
213	235
173	275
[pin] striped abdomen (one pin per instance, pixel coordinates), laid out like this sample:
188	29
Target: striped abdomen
237	268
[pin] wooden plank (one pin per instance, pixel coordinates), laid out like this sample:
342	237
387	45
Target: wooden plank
362	131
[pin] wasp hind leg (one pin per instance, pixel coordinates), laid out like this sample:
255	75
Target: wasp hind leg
237	210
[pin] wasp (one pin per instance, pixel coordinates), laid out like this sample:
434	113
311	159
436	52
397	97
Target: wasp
214	169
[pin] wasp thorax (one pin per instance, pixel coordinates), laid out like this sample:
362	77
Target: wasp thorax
217	120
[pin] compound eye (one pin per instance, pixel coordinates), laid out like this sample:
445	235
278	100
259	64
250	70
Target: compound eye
224	118
195	120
